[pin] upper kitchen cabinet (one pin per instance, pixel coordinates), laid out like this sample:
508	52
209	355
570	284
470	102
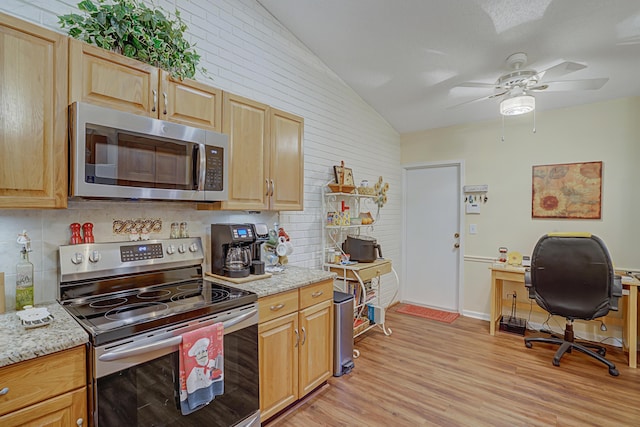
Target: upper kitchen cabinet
266	171
105	78
33	116
247	124
287	161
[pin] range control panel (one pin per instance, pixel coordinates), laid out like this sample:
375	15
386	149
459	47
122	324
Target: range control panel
92	260
140	252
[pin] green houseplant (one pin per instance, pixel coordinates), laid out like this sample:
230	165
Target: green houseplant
135	30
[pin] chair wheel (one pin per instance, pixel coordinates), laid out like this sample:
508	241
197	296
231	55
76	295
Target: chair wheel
557	363
602	352
528	344
613	372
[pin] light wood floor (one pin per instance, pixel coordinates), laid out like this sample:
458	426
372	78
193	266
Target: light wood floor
429	373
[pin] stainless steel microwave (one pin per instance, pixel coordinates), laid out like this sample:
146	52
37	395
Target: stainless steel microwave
113	154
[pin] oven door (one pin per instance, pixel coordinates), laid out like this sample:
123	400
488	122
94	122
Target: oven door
136	380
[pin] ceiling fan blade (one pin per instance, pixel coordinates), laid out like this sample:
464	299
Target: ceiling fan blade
477	84
560	70
567	85
494	95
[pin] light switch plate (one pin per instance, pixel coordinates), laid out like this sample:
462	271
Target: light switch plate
473	229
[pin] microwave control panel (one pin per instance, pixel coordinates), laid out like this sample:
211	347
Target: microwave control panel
215	168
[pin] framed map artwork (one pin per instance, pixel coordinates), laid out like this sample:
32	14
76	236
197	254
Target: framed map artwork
570	190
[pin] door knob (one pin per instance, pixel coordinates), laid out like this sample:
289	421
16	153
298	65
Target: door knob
456	235
457	245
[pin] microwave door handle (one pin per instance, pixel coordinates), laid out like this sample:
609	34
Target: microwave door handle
200	170
170	342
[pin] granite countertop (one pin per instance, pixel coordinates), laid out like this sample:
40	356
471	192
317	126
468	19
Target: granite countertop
292	278
18	343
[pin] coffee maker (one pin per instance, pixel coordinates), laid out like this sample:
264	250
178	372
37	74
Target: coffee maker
231	249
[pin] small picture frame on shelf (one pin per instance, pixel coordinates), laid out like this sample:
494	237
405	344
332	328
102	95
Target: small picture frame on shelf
348	175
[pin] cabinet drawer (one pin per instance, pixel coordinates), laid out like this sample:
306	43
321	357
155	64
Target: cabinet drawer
277	305
365	271
318	292
38	379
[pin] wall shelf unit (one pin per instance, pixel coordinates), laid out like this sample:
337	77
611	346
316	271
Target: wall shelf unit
363	280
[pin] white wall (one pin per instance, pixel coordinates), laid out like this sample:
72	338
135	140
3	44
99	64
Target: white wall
607	131
247	52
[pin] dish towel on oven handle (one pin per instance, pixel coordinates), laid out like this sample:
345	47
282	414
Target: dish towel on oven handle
201	367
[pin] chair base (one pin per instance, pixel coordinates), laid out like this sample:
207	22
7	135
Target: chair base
567	344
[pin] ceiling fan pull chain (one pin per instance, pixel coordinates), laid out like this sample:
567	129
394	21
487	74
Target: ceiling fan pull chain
534	121
502	138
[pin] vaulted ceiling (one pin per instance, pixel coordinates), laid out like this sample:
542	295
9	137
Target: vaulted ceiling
408	58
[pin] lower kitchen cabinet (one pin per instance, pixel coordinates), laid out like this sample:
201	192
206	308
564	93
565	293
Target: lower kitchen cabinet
46	391
68	409
295	345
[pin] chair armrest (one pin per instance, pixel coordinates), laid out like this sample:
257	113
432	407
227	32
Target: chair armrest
529	285
616	292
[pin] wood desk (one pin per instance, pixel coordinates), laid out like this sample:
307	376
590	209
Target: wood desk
516	274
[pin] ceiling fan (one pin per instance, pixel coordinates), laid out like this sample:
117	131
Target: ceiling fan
518	85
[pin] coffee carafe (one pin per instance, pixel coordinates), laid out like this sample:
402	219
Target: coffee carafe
238	259
231	249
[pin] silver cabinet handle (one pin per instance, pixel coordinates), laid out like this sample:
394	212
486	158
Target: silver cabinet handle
316	294
164	94
4	391
155	100
297	337
304	336
277	307
79	422
266	182
273	188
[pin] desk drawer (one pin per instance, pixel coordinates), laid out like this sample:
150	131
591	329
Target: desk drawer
277	305
39	379
316	293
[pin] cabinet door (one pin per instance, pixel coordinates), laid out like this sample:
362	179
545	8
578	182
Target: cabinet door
316	346
278	342
69	409
190	103
107	79
247	124
33	116
287	161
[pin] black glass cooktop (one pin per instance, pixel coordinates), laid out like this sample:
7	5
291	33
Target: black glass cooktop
113	316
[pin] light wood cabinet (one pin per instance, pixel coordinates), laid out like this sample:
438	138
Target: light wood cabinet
108	79
247	124
295	345
286	168
68	409
46	391
33	116
266	156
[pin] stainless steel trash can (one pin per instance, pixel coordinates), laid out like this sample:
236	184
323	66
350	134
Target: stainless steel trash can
342	333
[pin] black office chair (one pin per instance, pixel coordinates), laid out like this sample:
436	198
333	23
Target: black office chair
572	276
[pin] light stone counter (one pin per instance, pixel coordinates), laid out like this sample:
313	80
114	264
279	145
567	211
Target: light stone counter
292	278
18	343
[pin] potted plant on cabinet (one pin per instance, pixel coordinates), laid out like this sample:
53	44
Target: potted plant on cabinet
137	31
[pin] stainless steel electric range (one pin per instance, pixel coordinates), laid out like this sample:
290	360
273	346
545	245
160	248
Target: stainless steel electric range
136	299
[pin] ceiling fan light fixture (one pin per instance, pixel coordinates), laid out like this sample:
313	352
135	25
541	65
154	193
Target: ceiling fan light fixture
516	105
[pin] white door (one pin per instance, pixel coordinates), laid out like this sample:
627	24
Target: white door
432	254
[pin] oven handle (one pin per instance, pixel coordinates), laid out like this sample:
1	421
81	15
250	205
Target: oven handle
169	342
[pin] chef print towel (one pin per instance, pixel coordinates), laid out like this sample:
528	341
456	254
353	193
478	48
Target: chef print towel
201	367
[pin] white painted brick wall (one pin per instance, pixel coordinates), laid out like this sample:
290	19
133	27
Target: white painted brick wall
247	52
